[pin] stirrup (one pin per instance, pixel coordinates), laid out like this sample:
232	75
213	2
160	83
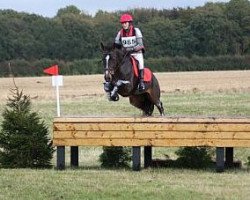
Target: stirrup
141	86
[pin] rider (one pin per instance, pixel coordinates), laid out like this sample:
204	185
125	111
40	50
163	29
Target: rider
130	38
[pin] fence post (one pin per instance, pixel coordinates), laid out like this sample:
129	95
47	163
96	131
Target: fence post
147	156
220	159
60	157
136	158
74	156
229	157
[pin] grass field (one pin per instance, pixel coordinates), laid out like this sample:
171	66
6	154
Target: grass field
225	94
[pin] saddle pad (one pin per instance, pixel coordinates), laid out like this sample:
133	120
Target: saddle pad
147	71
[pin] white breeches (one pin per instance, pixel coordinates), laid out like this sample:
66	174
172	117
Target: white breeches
139	57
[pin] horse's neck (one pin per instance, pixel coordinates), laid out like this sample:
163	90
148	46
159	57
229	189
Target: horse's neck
127	74
126	69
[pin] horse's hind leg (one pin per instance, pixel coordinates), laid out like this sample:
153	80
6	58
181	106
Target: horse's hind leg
148	108
142	102
159	105
155	99
154	94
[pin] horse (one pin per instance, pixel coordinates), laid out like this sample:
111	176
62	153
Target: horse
119	72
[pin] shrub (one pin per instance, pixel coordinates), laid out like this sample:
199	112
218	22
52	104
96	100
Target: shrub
193	157
248	162
24	138
115	157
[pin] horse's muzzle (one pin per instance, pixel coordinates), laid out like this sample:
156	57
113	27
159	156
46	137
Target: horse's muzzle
107	76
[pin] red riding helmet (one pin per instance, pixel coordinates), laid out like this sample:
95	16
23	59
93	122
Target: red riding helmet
126	18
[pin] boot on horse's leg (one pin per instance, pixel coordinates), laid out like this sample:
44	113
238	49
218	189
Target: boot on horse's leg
141	85
108	87
113	94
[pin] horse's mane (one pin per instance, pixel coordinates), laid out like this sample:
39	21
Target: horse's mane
111	47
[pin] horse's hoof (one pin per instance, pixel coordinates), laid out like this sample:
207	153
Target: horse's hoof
114	97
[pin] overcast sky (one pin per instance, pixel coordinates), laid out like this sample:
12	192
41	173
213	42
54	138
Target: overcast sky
49	8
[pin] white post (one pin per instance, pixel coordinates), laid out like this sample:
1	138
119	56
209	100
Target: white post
56	82
58	101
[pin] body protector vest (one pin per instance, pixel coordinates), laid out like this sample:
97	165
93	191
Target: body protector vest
131	39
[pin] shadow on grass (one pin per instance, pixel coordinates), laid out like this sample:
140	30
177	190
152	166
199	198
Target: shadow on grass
177	164
94	167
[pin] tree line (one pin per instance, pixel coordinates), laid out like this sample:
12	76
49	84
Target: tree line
174	38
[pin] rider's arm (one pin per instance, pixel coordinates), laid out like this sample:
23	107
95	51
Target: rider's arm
139	46
118	43
118	39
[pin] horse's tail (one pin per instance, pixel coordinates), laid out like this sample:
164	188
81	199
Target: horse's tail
155	87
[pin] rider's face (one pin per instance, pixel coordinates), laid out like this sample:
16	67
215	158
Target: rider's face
125	25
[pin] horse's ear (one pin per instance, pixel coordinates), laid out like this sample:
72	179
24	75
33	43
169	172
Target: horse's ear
102	46
117	46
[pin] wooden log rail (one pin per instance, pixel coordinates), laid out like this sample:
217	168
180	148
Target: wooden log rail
150	132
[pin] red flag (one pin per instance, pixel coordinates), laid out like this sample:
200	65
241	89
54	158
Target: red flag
53	70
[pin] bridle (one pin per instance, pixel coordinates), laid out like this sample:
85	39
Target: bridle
108	74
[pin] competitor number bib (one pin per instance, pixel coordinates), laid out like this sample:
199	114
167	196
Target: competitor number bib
128	41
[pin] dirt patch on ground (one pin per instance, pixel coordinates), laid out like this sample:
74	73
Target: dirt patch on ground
92	85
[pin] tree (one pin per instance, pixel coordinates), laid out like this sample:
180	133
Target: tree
68	10
239	11
24	140
106	25
213	33
80	40
163	37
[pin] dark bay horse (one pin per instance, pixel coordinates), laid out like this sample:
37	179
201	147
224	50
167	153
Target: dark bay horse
118	71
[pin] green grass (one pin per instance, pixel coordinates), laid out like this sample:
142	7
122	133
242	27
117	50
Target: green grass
123	184
92	182
191	104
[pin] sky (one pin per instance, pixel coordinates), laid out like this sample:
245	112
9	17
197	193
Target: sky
49	8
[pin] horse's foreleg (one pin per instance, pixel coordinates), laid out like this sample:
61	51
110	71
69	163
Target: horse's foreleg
119	83
114	93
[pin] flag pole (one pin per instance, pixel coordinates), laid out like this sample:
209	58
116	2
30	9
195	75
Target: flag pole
56	82
58	100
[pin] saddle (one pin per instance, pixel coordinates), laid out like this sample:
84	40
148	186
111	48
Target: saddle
147	71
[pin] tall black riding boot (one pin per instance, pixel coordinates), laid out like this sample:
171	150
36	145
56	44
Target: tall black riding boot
141	85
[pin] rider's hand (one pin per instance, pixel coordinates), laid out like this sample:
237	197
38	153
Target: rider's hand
130	49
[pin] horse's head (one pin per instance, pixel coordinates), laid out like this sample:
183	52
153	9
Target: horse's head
112	59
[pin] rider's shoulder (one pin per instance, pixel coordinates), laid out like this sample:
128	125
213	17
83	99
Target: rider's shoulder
138	32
